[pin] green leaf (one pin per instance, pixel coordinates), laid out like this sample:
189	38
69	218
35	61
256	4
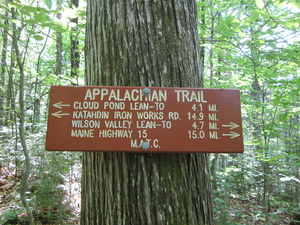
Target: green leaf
49	214
65	169
30	22
14	21
283	118
31	32
292	25
29	9
40	17
219	200
254	15
276	158
276	101
48	3
59	28
38	37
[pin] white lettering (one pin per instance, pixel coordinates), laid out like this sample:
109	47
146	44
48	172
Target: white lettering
139	106
166	124
115	133
159	105
213	117
86	105
88	95
155	143
173	115
91	95
82	133
125	124
189	96
146	124
104	92
86	123
212	107
122	115
90	114
213	125
150	115
114	105
135	143
127	95
213	135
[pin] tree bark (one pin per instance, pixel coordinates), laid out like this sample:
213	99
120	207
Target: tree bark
3	70
59	48
75	56
144	43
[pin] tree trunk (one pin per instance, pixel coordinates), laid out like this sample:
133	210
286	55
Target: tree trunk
75	56
3	71
10	99
144	43
59	48
27	166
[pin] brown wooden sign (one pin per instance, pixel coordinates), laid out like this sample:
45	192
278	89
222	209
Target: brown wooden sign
137	119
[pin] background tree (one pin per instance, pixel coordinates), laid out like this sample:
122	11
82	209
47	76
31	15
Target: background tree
248	51
3	65
59	43
144	43
21	115
75	54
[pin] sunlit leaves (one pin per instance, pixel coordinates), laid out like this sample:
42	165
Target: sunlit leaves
254	15
260	4
35	15
27	9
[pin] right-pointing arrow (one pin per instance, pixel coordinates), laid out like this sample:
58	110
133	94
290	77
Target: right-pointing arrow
232	134
231	125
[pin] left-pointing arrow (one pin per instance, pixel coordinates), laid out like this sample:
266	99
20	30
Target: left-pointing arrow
232	134
59	114
60	105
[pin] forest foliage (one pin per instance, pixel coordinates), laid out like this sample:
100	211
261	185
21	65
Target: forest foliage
252	46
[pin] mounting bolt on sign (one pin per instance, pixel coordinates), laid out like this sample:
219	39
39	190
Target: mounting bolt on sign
145	146
146	91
